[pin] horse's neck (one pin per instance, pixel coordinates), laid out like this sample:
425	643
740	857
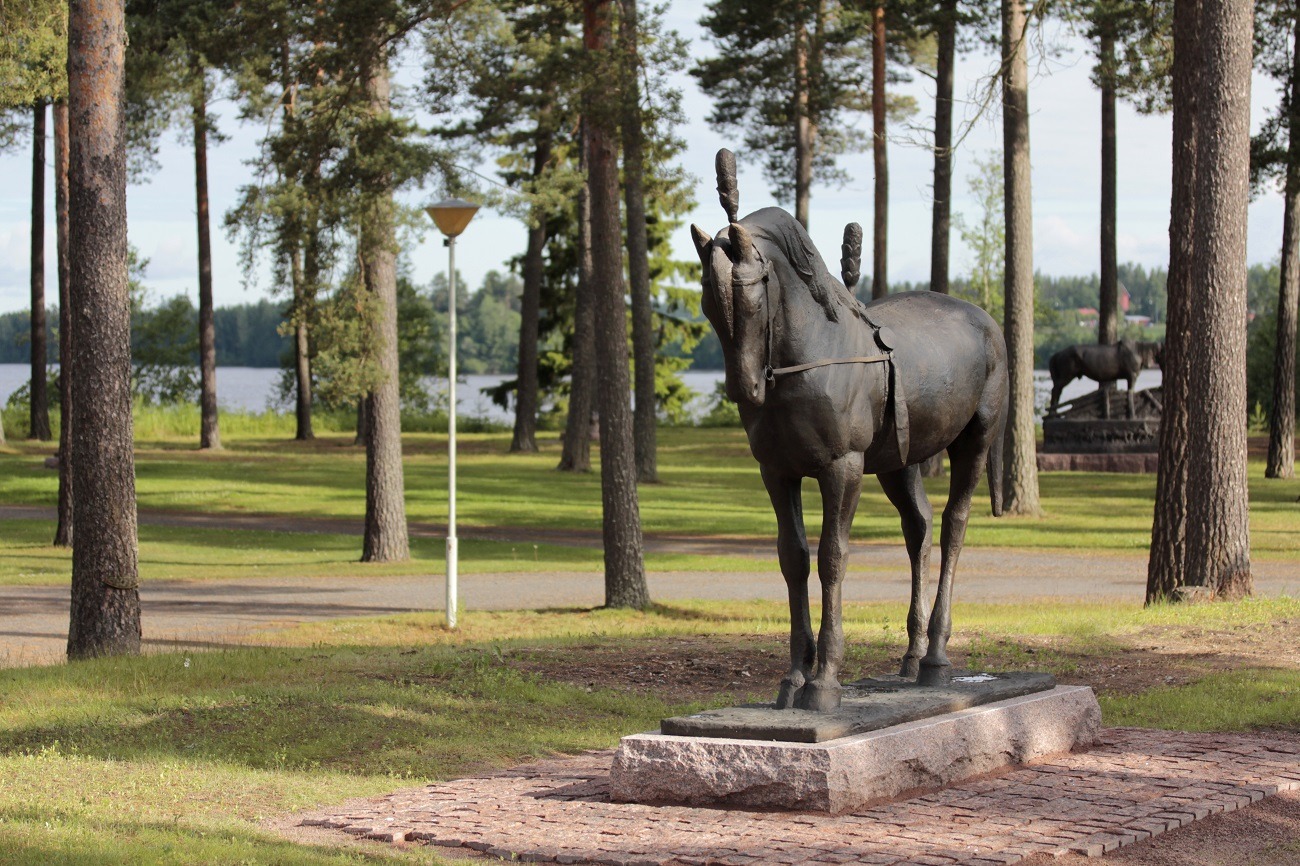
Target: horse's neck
804	334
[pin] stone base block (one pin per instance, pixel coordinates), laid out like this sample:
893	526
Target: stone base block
838	775
1133	463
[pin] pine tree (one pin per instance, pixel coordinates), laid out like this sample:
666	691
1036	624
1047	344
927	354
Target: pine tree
1200	542
105	616
1021	458
786	76
175	45
625	583
1276	151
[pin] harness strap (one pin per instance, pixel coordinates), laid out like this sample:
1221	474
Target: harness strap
799	368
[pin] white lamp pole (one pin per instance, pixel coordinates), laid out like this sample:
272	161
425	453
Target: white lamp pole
451	216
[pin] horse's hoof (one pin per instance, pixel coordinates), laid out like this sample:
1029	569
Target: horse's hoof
934	675
820	698
789	694
910	667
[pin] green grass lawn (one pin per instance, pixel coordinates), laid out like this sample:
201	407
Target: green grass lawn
184	553
179	757
710	486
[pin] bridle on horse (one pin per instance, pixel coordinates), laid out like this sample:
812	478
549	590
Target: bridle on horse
883	336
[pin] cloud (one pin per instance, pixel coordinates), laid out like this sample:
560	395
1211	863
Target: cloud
171	258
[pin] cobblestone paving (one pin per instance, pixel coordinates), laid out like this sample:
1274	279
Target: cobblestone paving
1136	784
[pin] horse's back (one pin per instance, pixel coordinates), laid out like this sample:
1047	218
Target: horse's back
951	358
934	327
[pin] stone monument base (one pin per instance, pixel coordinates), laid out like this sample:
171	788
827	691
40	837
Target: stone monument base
842	774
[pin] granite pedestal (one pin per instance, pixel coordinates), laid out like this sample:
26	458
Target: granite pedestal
836	775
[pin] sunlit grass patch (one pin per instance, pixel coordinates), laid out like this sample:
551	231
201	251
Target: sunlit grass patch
1234	701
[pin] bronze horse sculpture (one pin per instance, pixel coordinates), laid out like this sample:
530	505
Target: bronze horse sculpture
830	388
1103	363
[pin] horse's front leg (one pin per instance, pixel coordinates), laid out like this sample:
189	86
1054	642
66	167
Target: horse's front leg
1132	383
792	551
841	484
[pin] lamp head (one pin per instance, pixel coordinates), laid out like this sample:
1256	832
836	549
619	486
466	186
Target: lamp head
452	215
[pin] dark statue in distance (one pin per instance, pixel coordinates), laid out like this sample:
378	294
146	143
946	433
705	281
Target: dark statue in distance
1104	364
830	388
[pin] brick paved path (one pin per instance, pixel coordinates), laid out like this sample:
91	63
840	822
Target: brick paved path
1136	784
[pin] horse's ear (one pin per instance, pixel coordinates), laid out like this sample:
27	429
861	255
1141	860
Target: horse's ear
702	241
743	242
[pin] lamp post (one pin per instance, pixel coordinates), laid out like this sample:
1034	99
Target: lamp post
451	216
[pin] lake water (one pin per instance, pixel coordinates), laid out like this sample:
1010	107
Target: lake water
255	389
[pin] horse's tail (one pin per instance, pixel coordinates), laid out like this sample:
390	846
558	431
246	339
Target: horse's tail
993	464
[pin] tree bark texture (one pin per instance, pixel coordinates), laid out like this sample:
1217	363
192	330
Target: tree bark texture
105	610
880	230
385	534
625	583
576	455
1218	531
39	412
1108	305
63	531
209	431
1166	562
803	128
638	253
1021	458
1281	425
941	230
525	434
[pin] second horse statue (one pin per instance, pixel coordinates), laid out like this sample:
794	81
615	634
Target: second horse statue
830	388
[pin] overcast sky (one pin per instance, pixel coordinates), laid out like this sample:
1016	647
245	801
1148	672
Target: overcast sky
1064	146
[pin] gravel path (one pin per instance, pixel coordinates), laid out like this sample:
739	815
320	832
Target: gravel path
34	620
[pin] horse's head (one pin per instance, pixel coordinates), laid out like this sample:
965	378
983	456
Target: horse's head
735	301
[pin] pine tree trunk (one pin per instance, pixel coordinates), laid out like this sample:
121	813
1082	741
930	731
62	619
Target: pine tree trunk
1021	458
63	531
941	224
301	347
638	253
525	433
385	534
304	265
105	611
625	583
39	413
1166	563
209	431
1218	531
1108	306
803	129
576	455
1281	425
880	232
941	230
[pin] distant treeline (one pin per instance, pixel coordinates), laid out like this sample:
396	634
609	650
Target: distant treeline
247	334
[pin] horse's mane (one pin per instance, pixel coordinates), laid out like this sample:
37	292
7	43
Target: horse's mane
788	235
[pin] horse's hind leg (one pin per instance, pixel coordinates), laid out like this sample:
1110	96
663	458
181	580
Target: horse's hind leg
966	455
841	485
1132	383
907	493
792	551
